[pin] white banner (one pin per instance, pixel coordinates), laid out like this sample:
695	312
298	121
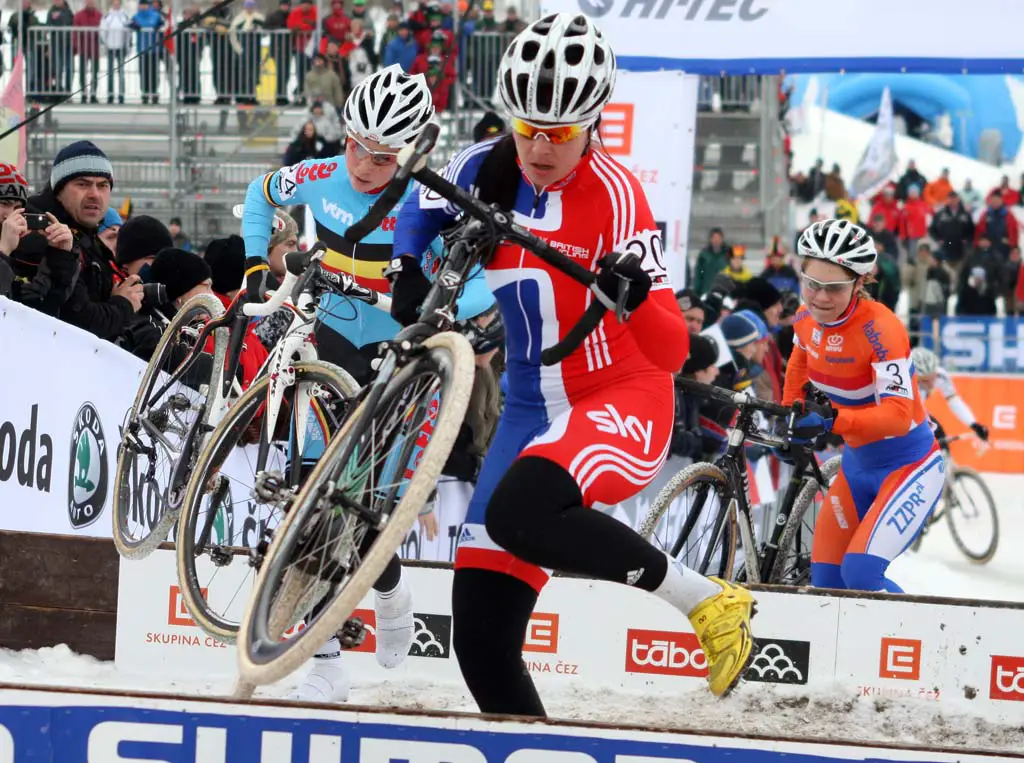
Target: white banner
63	397
955	658
650	127
766	36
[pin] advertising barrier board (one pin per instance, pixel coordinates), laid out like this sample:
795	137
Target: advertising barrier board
85	727
593	635
976	343
997	401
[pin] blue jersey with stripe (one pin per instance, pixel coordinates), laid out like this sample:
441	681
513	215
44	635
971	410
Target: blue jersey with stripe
323	185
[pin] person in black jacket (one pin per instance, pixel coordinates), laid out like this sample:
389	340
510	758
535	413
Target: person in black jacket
980	280
78	195
701	365
953	230
37	268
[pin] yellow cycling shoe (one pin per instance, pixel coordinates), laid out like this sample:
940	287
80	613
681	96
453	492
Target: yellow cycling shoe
722	625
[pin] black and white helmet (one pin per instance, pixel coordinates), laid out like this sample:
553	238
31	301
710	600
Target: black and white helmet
559	70
841	242
389	107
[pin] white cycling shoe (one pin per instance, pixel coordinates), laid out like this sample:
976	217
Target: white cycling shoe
328	681
395	627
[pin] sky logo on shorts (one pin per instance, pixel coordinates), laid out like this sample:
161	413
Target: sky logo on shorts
611	421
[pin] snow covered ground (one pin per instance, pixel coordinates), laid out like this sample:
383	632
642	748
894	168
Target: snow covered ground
938	569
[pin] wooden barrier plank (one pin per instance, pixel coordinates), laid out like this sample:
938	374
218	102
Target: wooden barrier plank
58	571
84	631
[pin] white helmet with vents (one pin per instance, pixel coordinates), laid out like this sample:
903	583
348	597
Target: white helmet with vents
559	70
389	107
841	242
925	361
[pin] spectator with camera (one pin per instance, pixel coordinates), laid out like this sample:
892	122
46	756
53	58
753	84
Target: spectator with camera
78	195
38	262
138	242
184	275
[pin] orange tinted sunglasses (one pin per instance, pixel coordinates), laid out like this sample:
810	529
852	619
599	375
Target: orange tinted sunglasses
557	134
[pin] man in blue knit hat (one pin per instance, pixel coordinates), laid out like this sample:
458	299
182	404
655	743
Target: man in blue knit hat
78	195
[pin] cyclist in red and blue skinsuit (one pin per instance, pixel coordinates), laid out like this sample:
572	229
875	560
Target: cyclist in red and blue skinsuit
593	429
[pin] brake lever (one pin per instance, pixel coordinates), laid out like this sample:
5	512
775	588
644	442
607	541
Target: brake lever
620	300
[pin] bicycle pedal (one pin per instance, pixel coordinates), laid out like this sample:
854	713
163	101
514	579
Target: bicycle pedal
220	556
179	402
258	553
352	633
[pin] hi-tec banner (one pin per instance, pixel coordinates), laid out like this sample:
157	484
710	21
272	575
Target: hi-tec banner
769	36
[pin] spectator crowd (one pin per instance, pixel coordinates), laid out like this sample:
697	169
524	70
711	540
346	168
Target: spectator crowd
316	59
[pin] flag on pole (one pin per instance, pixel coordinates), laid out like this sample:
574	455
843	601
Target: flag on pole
14	148
879	159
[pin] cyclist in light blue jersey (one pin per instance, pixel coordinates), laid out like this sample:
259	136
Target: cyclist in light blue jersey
383	113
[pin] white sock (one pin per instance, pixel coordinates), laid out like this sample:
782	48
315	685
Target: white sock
684	588
395	624
329	651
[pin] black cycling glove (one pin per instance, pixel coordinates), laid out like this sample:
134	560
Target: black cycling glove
981	430
409	287
619	266
257	275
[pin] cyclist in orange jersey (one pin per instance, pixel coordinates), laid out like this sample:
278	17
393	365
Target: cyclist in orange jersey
856	352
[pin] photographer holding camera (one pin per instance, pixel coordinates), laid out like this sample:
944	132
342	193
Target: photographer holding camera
78	196
38	261
138	242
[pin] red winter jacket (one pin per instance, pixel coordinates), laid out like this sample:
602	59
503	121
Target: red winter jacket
336	26
440	88
890	211
302	22
254	354
87	43
423	40
914	218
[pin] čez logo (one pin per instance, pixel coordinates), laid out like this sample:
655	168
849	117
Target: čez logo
19	451
696	10
87	472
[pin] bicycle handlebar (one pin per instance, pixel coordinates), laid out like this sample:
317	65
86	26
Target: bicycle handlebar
739	399
516	234
296	277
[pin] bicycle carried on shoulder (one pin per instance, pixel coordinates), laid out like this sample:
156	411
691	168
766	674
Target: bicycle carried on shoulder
365	493
719	517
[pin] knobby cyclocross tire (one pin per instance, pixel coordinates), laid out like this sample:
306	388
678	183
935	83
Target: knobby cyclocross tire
724	524
218	447
280	593
967	474
199	306
803	501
